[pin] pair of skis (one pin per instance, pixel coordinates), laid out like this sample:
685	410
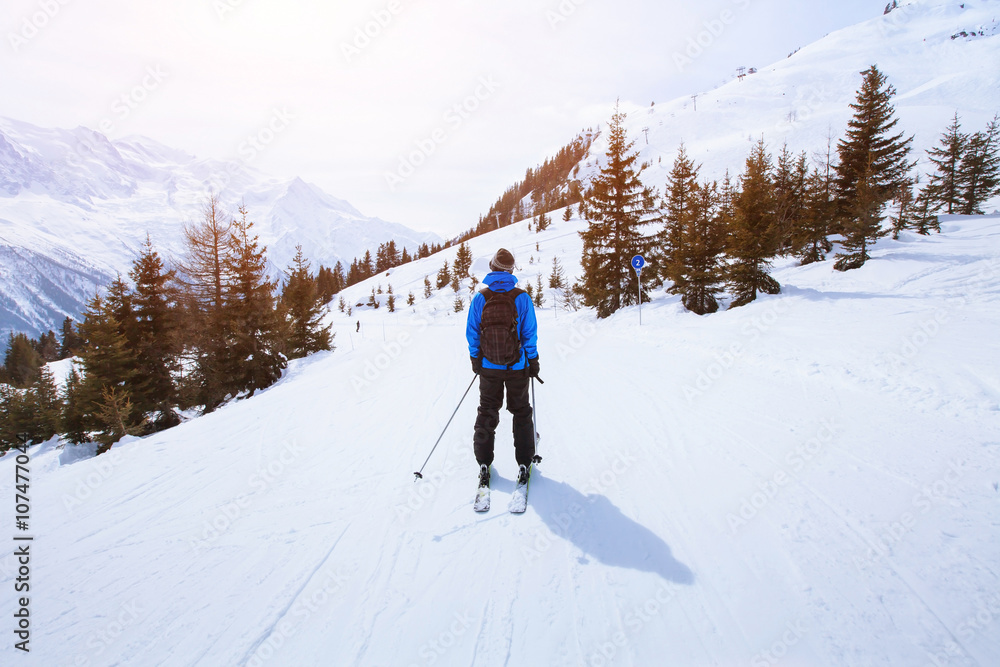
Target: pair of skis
518	500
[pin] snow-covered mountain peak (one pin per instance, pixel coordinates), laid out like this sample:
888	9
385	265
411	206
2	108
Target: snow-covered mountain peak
75	206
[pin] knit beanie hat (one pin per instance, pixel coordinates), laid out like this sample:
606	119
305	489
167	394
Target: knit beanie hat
502	261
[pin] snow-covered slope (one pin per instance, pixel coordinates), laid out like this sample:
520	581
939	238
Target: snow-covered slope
941	56
75	207
811	479
807	480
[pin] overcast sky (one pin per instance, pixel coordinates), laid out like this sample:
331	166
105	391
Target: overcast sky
417	111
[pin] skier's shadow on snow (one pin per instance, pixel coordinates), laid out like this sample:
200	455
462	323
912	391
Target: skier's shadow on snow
600	530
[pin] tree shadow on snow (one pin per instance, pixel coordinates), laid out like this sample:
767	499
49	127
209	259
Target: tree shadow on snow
600	530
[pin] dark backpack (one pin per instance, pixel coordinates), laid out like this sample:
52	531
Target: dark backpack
498	340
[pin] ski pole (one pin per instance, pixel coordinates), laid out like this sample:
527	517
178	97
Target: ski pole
419	473
534	419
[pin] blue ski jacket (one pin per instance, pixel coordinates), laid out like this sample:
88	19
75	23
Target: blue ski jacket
527	326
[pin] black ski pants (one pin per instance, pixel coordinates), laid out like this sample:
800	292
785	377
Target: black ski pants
491	391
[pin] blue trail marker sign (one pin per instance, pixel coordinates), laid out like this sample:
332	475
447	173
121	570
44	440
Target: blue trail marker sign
637	263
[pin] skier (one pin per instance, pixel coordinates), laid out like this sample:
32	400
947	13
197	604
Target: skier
502	335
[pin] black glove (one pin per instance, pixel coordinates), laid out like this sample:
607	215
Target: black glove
477	364
533	367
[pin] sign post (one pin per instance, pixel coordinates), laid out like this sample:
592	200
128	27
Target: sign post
637	263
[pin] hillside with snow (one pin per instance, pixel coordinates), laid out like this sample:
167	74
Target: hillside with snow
810	479
75	207
941	57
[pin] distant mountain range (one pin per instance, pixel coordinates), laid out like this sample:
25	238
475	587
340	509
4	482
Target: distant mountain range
75	207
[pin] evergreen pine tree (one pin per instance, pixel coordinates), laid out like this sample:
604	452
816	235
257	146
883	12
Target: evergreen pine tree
790	201
980	169
753	237
443	277
557	279
904	202
543	222
427	287
459	303
107	361
366	266
410	299
303	305
810	237
48	347
872	167
864	227
21	362
701	258
46	406
539	295
619	207
922	216
116	417
71	342
945	185
568	213
157	344
339	280
676	210
76	419
463	262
